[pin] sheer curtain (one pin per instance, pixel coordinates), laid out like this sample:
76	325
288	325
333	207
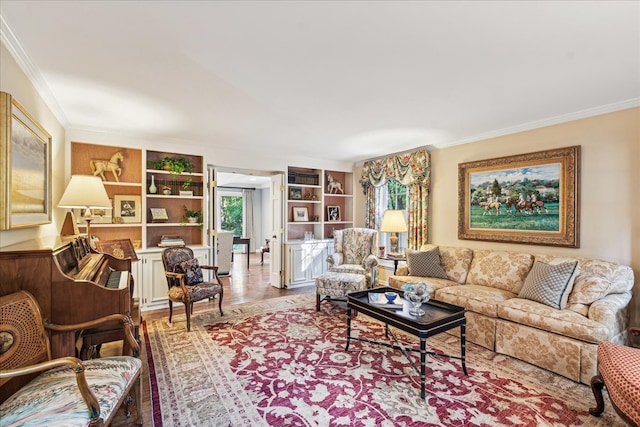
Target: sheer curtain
410	169
249	223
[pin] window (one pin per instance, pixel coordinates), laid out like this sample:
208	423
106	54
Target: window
231	214
392	195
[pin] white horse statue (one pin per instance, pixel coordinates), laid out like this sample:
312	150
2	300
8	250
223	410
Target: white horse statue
99	167
333	186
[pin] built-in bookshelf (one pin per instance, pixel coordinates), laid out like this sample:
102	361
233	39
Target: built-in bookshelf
171	192
319	202
122	178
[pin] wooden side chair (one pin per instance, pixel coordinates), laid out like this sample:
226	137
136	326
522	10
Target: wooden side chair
38	390
619	372
186	282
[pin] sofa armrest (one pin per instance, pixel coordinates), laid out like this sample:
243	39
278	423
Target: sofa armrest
334	259
611	311
403	270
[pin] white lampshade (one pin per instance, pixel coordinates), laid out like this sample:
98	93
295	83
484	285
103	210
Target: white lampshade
85	191
393	222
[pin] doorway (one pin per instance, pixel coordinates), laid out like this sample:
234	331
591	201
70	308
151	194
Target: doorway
241	203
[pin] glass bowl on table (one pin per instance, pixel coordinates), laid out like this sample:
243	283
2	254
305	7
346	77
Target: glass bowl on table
416	294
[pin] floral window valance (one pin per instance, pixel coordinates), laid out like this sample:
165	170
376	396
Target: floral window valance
408	169
412	170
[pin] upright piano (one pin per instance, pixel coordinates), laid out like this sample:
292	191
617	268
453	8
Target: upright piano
71	282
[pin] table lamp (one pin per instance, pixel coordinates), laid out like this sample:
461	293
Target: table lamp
393	222
85	192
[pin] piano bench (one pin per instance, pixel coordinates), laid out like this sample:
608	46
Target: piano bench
92	339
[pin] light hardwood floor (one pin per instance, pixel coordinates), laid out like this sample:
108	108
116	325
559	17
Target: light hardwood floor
243	285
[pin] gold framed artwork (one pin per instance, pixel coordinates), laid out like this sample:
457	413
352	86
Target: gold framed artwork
127	207
529	198
25	168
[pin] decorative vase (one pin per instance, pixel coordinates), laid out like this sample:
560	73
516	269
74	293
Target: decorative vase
416	294
416	301
192	219
152	188
166	191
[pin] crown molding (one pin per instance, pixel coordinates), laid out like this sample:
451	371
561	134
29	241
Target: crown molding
24	62
564	118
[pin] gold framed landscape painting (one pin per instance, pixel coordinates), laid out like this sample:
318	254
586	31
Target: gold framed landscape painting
528	198
25	168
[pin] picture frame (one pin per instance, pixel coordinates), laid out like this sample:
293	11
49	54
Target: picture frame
25	168
530	198
127	207
300	214
295	193
333	213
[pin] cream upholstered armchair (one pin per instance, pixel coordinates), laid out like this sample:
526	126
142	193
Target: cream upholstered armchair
355	252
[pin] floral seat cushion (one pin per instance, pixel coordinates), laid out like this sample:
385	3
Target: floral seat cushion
196	292
340	284
53	398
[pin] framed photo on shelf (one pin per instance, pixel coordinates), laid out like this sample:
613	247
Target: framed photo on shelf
333	213
295	193
529	198
127	207
25	181
300	214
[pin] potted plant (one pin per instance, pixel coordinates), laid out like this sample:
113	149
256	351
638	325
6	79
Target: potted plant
192	217
175	166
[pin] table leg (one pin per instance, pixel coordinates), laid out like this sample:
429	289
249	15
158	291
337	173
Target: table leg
423	373
348	328
463	347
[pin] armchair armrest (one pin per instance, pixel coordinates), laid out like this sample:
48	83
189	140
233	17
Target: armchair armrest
370	262
334	259
178	279
76	365
129	346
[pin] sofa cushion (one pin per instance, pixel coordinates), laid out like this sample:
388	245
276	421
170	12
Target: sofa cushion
589	288
550	284
432	282
597	278
456	261
562	322
480	299
425	263
499	269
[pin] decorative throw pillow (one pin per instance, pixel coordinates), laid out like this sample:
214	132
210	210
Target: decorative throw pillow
549	284
191	270
425	263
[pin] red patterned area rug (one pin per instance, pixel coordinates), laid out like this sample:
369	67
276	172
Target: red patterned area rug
281	363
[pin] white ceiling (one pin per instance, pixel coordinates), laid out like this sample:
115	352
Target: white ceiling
347	80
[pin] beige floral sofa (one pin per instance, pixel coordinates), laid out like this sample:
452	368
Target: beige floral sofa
488	283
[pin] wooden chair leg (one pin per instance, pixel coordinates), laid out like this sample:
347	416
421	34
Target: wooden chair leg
317	302
596	386
188	308
220	302
170	310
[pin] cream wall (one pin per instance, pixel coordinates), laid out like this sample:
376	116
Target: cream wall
609	186
15	82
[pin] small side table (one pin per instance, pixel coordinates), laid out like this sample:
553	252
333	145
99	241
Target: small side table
395	261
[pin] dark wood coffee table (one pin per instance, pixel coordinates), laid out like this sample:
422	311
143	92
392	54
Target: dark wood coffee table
439	317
